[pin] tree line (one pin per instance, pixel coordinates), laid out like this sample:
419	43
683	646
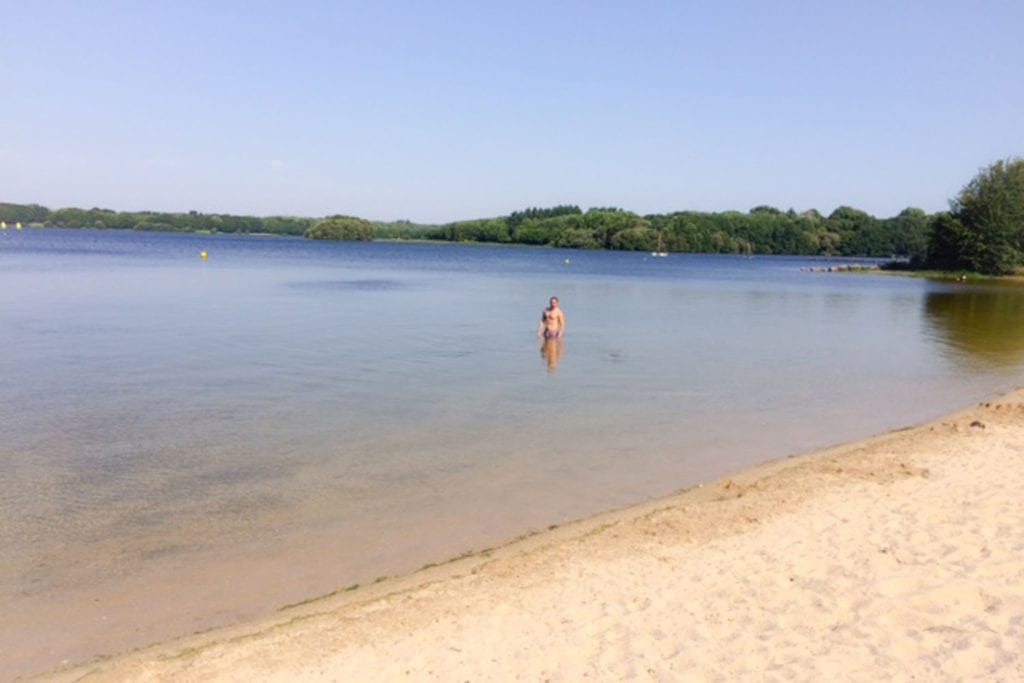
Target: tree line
763	230
982	232
192	221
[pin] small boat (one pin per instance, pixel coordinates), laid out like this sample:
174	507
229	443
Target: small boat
660	251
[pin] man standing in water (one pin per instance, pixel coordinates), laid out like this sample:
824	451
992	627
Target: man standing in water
552	321
550	331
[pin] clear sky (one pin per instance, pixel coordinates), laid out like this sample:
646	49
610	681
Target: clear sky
438	111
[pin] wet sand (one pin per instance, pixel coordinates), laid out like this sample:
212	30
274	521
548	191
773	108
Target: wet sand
896	557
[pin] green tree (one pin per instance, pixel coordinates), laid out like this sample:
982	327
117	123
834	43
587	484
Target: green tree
516	218
534	231
605	223
72	218
404	230
991	210
909	234
948	241
860	233
281	225
25	213
341	228
635	239
576	238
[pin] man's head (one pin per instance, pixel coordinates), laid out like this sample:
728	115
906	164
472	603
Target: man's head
553	302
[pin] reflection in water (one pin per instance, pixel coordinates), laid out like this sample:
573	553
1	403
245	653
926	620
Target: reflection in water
551	351
984	324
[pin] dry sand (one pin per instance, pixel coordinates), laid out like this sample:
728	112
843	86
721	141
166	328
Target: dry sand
896	558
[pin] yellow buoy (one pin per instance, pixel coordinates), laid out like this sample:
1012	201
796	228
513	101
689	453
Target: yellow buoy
17	226
568	261
202	255
3	225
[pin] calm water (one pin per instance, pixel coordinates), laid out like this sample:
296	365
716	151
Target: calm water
187	443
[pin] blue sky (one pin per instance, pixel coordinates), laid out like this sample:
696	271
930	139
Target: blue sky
438	111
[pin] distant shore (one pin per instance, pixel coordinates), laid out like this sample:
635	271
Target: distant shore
896	556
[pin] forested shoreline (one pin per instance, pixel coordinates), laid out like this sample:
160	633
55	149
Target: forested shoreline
762	230
34	215
982	232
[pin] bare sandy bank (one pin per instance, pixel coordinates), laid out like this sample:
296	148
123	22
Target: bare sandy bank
897	557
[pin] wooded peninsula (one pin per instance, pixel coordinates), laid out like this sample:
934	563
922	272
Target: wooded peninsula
982	232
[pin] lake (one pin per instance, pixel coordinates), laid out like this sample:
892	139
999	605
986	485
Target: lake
185	443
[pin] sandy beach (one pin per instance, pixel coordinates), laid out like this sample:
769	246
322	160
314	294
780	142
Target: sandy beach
895	558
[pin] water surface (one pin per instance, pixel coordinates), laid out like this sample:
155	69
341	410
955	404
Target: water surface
185	443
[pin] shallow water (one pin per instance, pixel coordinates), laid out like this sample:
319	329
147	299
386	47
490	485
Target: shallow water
184	443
